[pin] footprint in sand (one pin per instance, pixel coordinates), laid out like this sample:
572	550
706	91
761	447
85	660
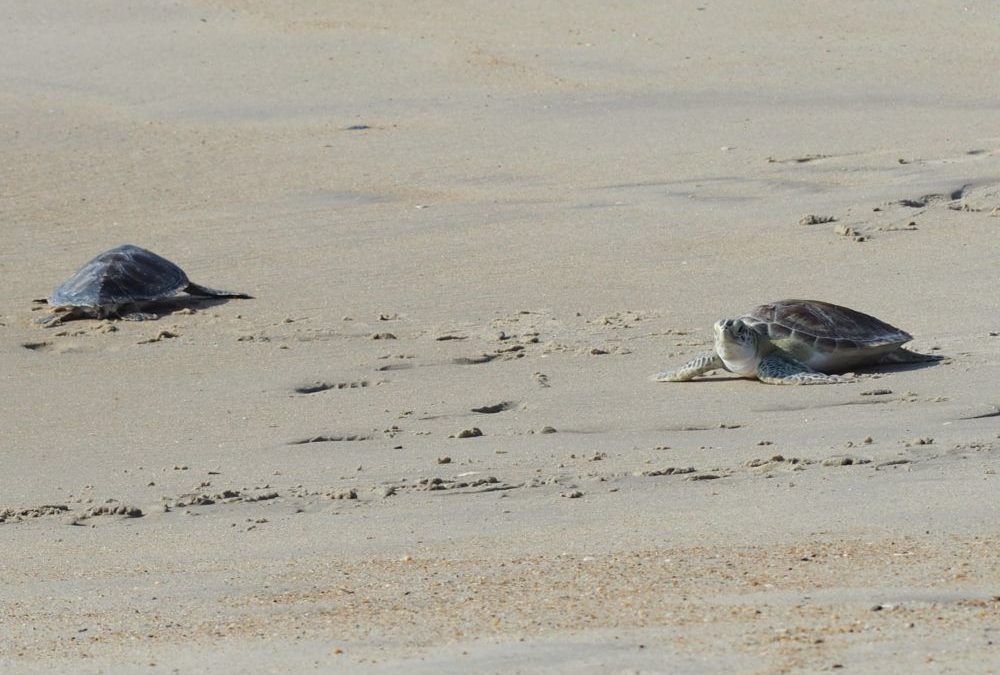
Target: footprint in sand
317	387
495	408
331	438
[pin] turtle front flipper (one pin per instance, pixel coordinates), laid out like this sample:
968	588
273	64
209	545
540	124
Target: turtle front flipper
704	363
780	368
64	314
53	319
198	289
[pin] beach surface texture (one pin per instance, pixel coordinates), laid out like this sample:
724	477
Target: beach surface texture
473	232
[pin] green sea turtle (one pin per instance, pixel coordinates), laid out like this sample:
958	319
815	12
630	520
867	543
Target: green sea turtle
119	283
799	342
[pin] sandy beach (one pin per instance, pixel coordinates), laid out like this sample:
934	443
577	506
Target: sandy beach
430	442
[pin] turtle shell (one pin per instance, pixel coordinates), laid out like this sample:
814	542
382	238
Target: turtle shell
123	275
823	335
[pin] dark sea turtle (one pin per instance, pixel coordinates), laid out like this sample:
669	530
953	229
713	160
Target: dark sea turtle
799	342
119	283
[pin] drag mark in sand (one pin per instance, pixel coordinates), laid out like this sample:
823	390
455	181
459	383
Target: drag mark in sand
375	494
221	497
111	507
902	215
461	484
15	515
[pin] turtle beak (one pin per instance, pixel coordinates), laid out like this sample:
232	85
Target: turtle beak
724	325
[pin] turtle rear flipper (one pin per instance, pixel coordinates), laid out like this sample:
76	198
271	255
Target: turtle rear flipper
205	291
138	315
779	368
902	355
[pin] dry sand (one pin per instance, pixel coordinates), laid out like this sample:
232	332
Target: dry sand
576	192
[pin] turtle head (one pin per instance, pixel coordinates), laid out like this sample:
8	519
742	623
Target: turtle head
739	346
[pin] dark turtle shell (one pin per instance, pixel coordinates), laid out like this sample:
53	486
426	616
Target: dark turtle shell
823	327
123	275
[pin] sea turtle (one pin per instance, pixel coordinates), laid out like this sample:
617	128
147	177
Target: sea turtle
118	283
799	342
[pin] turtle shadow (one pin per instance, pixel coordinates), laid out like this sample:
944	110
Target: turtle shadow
873	369
152	310
707	380
195	302
160	309
901	367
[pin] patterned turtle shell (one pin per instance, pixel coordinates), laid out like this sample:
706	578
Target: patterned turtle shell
823	326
